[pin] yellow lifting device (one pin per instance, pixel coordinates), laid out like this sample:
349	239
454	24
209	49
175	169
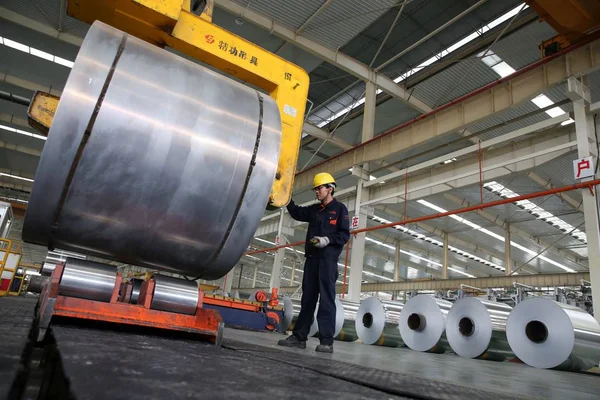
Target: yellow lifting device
175	23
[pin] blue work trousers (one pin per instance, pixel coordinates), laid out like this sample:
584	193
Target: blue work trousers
320	276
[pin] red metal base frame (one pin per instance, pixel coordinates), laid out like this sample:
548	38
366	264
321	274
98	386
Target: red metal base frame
206	323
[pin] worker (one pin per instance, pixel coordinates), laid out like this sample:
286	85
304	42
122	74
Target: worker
328	232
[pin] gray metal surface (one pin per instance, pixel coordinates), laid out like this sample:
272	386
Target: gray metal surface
175	295
135	291
171	172
47	268
422	323
87	280
546	334
348	331
476	327
36	283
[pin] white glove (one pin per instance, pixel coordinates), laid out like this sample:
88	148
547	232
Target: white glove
320	241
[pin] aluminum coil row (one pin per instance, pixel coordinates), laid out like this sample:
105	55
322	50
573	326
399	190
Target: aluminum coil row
540	332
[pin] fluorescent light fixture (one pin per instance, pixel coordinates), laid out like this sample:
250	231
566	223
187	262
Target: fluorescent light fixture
461	272
14	199
36	52
21	132
440	244
537	211
567	122
474	35
388	246
494	235
249	256
16	177
449	161
263	240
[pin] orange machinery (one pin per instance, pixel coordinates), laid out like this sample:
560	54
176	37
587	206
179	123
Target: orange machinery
572	19
88	290
70	295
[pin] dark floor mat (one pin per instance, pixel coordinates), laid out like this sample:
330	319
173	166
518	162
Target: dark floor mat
16	321
102	364
408	385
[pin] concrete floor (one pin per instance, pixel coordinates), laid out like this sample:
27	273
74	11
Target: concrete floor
510	378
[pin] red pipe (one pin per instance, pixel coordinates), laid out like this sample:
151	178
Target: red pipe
581	185
464	97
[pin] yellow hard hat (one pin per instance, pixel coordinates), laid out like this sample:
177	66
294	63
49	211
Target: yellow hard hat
322	179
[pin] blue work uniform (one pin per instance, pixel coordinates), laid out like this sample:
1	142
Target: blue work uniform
320	268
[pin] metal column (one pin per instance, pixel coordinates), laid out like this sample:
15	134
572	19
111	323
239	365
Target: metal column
397	262
357	253
255	275
279	257
507	251
586	146
445	265
358	245
293	276
228	282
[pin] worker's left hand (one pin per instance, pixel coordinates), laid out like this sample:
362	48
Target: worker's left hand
320	241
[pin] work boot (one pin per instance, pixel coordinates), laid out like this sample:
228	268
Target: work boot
324	348
292	341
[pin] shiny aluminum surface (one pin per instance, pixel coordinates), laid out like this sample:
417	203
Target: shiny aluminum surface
87	280
47	268
135	291
377	322
175	295
570	341
476	327
177	167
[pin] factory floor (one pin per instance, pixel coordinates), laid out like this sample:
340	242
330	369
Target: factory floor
96	361
513	379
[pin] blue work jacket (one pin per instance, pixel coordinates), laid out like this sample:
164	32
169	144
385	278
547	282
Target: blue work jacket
330	221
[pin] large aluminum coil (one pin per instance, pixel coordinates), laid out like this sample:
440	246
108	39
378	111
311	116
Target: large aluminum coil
546	334
348	331
154	160
476	328
87	280
377	322
422	323
175	295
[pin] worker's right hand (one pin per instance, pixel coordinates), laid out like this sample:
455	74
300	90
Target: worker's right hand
320	241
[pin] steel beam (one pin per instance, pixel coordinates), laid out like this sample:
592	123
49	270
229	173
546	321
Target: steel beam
542	280
322	134
19	19
516	231
334	57
490	100
547	184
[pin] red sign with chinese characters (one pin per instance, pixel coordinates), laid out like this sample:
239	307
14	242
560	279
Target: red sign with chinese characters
354	224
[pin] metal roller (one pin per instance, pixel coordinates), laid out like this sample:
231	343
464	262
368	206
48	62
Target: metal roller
47	268
546	334
175	295
377	322
135	290
36	283
422	323
87	280
154	160
476	328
